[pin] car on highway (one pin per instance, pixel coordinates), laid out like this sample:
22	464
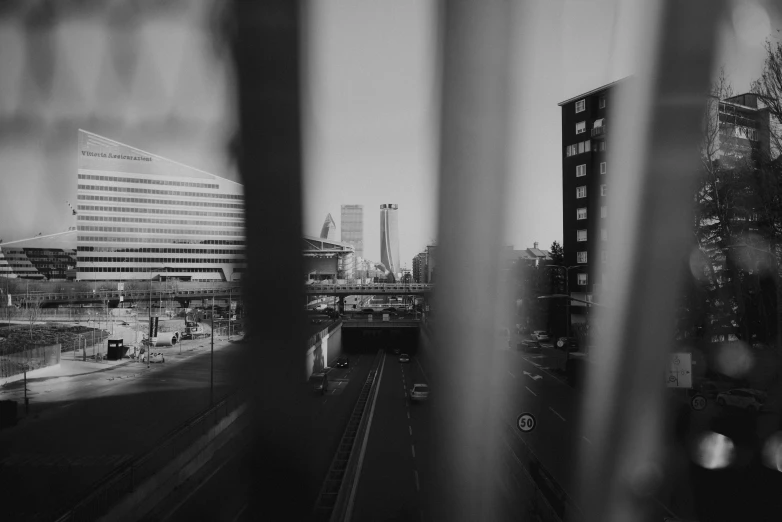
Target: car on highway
419	392
342	362
404	358
571	343
539	336
124	323
367	311
319	382
747	399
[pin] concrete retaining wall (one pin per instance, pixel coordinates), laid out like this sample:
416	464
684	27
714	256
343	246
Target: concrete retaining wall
323	348
155	489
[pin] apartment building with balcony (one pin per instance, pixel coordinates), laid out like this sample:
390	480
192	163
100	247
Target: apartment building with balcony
742	135
585	174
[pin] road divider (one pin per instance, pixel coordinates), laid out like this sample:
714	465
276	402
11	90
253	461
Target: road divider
337	495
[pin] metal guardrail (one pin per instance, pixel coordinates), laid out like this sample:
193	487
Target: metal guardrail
318	289
333	498
116	485
112	295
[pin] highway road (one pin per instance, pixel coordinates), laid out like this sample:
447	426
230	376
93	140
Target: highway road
392	483
221	493
82	427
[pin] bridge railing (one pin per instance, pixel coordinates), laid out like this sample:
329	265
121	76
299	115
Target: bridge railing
111	295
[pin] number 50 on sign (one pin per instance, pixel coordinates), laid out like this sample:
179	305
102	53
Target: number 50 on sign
526	422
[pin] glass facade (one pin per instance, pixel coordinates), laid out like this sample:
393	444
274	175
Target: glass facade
195	219
352	227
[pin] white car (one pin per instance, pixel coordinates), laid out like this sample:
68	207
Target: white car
419	392
742	398
539	335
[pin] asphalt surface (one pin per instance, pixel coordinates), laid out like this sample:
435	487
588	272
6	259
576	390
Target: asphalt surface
392	482
80	428
223	495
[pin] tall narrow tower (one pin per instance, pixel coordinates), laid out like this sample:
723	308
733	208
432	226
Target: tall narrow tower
389	239
329	230
352	227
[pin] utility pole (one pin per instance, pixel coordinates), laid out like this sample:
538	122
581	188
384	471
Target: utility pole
212	359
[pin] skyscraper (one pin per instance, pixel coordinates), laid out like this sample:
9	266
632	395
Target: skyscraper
389	239
352	227
329	230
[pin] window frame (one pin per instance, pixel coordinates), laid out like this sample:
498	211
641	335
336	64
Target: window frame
602	102
581	168
603	211
604	189
582	281
582	190
603	167
578	213
581	103
582	129
581	235
581	255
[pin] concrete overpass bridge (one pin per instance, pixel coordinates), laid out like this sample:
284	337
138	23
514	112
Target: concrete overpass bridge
373	289
184	296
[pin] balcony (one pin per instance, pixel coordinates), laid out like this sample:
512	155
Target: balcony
599	132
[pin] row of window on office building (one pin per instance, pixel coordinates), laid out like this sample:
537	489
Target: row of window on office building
145	201
159	240
149	181
170	212
131	230
119	219
215	251
158	260
161	192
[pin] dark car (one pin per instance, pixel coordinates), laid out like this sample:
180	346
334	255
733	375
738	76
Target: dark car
389	309
367	311
404	358
570	342
342	362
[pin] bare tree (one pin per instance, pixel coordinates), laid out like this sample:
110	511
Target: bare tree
32	311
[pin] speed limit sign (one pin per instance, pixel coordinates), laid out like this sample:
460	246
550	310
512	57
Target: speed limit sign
698	402
526	422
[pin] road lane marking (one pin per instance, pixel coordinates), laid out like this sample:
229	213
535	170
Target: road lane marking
412	448
408	414
557	414
586	439
410	429
241	512
531	376
417	483
324	400
511	375
532	392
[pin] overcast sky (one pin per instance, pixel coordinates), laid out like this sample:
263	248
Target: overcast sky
371	109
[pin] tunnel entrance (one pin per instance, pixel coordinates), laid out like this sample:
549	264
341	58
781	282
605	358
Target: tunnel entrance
369	340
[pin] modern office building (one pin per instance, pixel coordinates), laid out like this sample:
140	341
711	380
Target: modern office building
43	257
142	216
329	230
352	227
742	132
419	268
389	239
431	264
